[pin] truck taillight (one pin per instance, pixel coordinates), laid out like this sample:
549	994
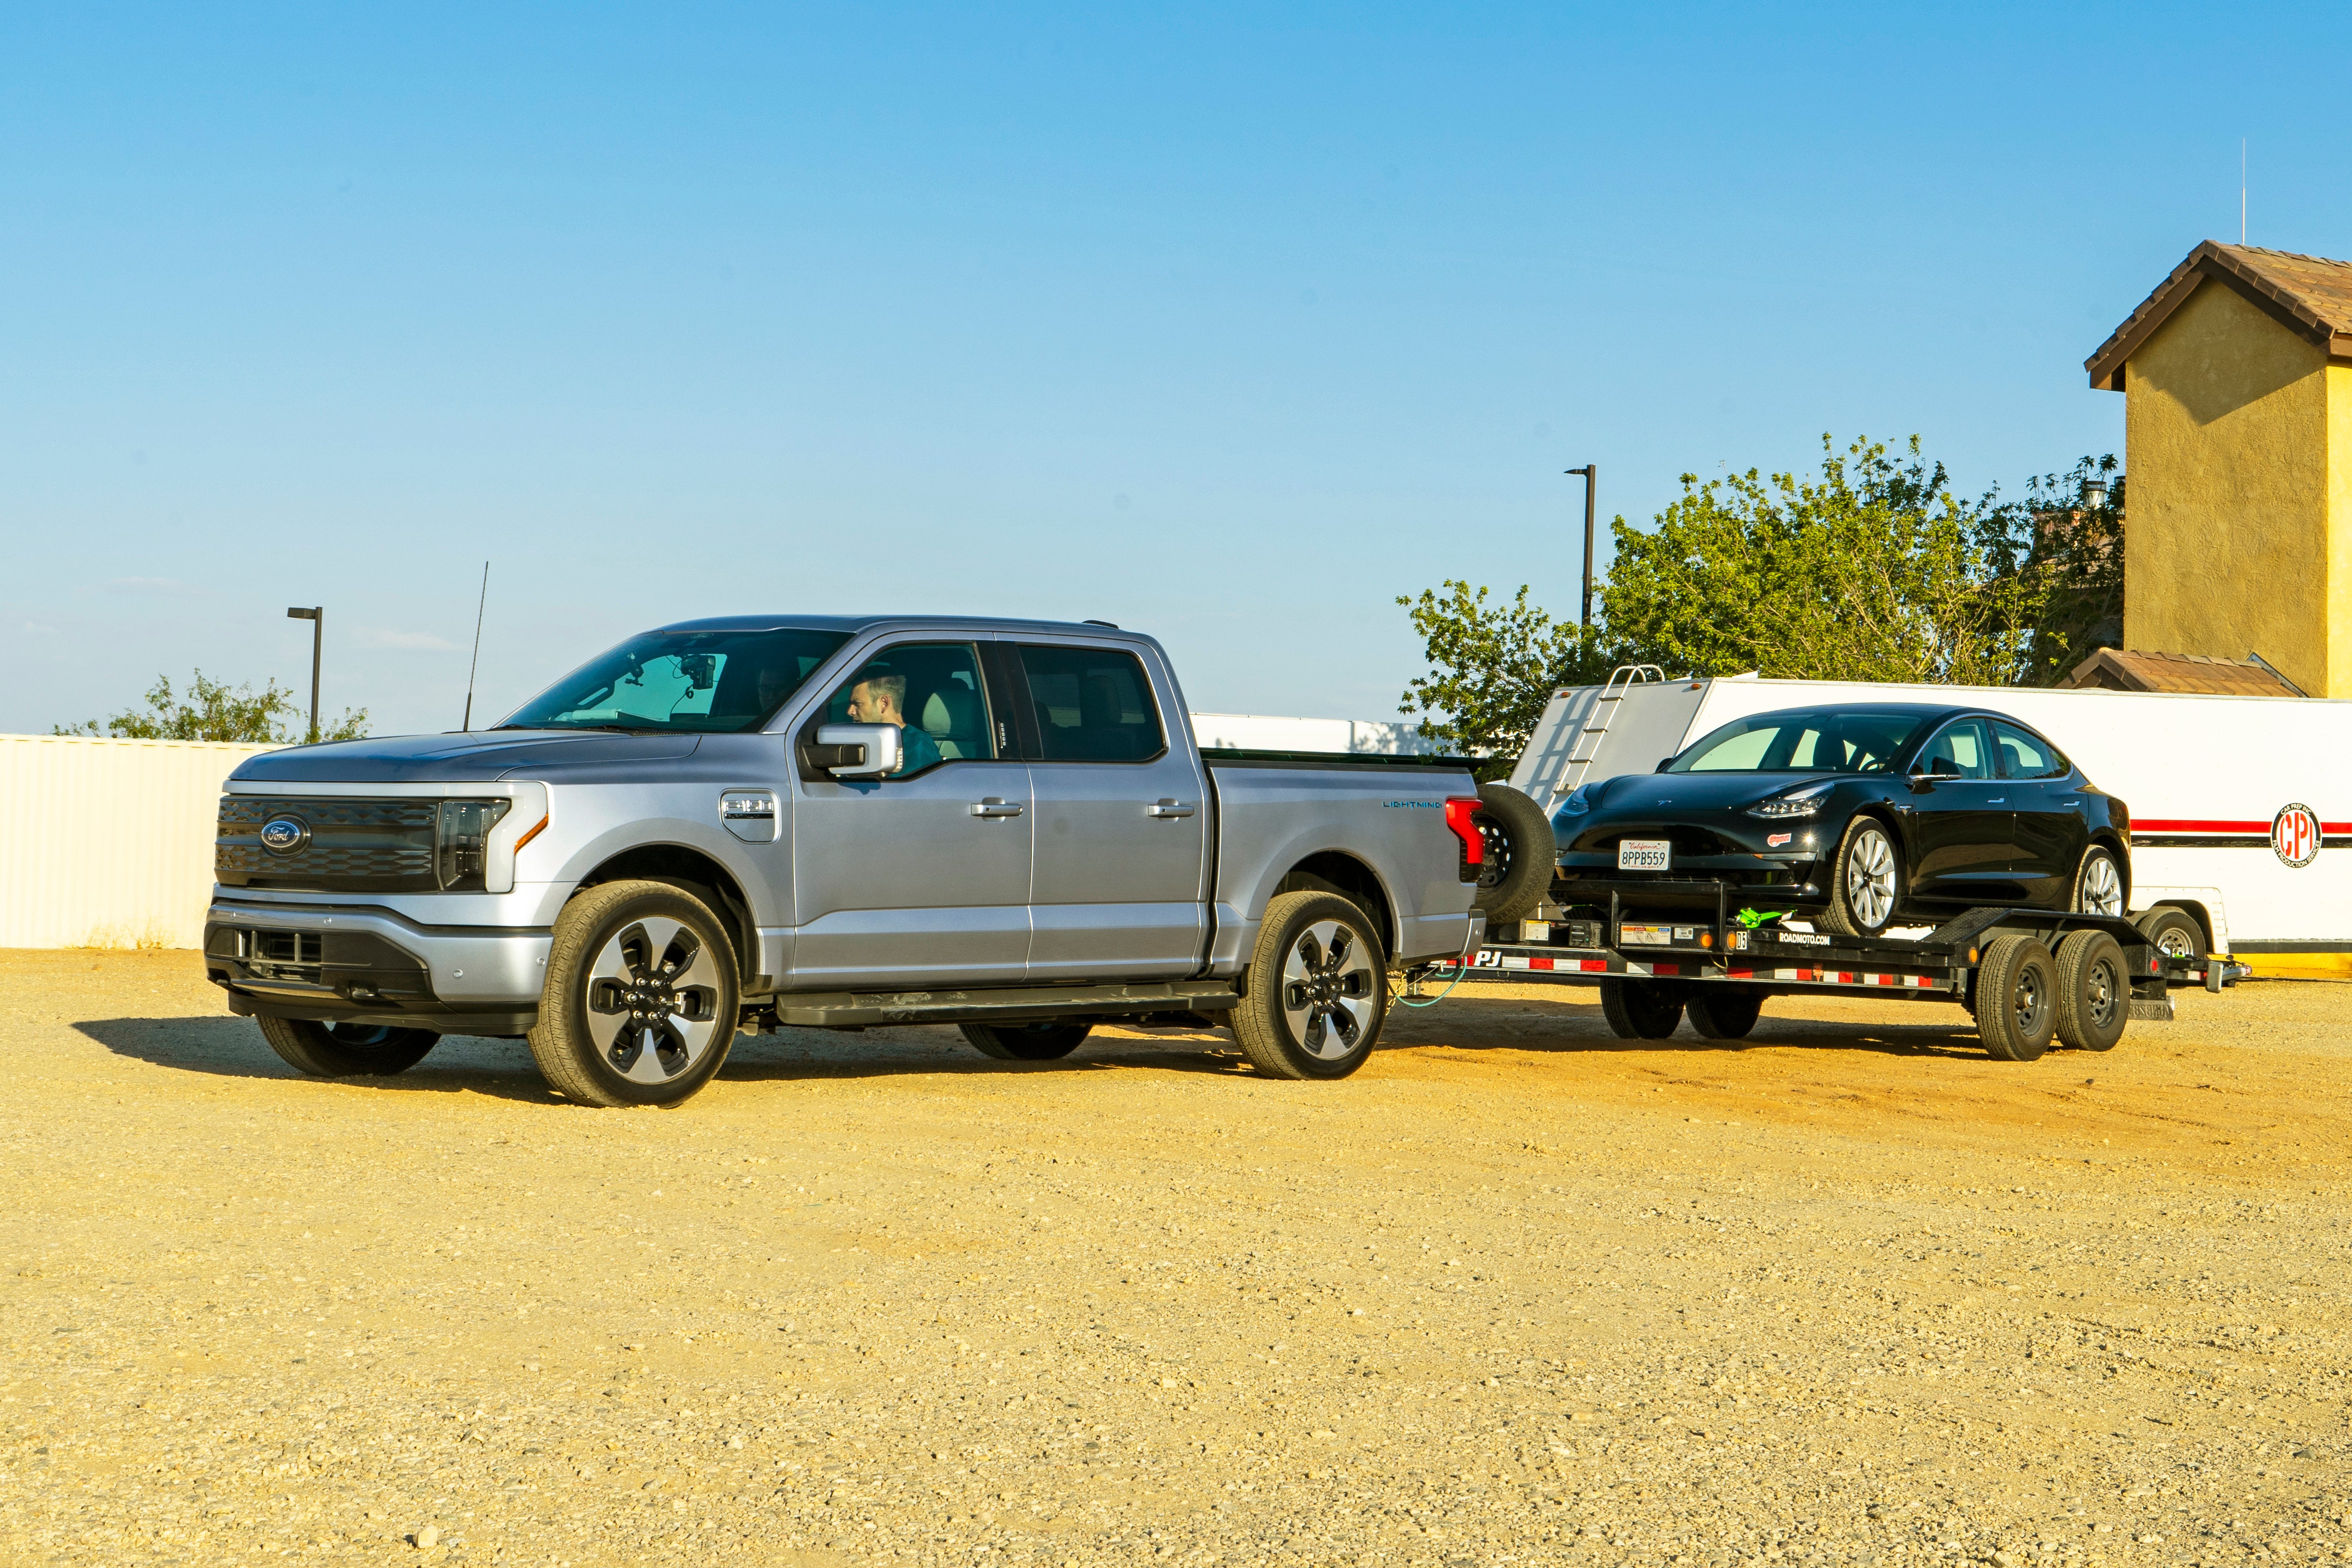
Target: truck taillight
1458	813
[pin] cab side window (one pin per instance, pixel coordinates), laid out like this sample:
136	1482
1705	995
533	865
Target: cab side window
1092	705
2025	756
1960	751
932	691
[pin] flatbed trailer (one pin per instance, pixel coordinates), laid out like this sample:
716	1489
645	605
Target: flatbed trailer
2076	977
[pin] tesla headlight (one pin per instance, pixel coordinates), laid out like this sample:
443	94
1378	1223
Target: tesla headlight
1802	802
1579	801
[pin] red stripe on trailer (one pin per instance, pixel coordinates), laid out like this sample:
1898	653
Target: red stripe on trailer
1740	975
1593	965
1539	963
1665	969
2208	825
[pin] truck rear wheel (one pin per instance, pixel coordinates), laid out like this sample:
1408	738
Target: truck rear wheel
1025	1041
1317	989
2094	991
641	1002
1723	1016
2017	999
1638	1010
345	1050
1518	854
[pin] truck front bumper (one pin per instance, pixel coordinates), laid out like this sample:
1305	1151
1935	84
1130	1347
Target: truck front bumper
352	963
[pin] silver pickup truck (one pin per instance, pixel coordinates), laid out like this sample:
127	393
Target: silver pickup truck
836	822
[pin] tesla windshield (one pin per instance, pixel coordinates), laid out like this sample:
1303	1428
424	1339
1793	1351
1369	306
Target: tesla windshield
708	682
1813	739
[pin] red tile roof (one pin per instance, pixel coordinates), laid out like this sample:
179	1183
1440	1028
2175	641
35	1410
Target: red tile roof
2119	671
2311	296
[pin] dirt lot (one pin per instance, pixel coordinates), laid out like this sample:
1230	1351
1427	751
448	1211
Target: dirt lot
1515	1292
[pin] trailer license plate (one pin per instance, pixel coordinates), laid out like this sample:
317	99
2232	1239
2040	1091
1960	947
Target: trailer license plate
1644	854
1629	935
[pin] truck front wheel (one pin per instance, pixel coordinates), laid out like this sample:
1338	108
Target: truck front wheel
345	1050
641	1001
1317	989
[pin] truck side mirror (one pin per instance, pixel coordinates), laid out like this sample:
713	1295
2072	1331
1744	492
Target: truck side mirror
851	752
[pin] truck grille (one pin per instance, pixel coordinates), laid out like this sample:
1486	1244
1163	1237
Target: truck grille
343	846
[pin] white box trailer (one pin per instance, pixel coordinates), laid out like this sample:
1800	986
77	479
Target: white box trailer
2241	806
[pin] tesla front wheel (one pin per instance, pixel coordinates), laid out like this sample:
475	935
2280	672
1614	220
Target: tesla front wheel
641	1001
1317	989
2017	999
1638	1010
2098	883
2094	991
345	1050
1025	1042
1865	882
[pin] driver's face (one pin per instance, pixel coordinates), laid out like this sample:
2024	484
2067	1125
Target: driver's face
871	704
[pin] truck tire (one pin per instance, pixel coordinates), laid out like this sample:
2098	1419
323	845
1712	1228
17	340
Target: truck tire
1519	854
1317	991
345	1050
2173	933
1865	880
2017	999
2098	883
2094	991
1025	1042
1724	1014
1637	1010
641	1002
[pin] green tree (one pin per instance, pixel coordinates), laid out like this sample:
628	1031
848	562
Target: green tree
2068	539
1873	571
1494	667
212	712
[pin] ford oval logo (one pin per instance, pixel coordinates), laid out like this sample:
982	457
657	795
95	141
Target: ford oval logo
285	835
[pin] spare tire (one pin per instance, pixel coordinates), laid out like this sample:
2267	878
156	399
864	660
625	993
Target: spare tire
1519	854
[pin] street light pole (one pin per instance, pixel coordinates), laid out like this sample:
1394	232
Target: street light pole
316	616
1592	472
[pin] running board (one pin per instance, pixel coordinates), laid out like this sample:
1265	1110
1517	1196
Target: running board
1028	1004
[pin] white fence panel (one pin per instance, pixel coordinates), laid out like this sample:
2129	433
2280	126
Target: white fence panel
108	842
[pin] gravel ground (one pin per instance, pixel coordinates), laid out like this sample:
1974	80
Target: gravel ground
1517	1292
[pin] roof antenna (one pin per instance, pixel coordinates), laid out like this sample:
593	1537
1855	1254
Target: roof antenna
481	605
2242	190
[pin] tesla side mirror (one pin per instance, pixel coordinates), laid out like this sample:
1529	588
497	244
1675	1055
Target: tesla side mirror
1664	763
851	752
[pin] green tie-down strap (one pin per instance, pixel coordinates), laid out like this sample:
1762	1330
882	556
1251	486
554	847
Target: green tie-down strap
1750	918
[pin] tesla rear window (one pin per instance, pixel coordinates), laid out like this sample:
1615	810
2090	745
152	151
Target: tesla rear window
1816	740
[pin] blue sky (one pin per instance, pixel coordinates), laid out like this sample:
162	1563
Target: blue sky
1229	323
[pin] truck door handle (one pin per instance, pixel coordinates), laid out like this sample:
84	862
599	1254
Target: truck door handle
1168	807
994	805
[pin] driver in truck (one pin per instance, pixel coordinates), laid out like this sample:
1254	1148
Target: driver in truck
881	698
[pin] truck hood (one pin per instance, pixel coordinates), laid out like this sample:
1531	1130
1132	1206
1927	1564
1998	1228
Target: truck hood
463	758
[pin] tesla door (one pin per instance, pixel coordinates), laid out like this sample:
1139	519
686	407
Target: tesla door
1122	818
1961	824
922	878
2049	834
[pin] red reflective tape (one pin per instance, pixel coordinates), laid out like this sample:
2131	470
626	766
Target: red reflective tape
1539	963
1593	965
1740	973
1665	969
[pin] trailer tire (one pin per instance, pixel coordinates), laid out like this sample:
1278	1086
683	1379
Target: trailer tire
2173	932
1025	1041
2016	1000
1638	1010
1317	989
1520	853
1865	880
2094	991
1723	1016
641	1002
345	1050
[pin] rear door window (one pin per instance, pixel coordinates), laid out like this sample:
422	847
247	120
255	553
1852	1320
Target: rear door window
1091	705
2025	756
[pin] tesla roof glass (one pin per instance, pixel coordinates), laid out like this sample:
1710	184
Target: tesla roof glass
1807	741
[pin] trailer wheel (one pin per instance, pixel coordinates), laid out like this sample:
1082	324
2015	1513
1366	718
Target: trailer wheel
2094	991
2017	999
345	1050
1865	880
1520	853
1725	1015
1637	1010
1317	989
1025	1041
2173	932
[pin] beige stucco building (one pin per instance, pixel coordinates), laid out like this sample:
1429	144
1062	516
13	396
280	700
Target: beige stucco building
2237	383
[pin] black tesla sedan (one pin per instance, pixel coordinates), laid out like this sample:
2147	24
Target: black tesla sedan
1862	818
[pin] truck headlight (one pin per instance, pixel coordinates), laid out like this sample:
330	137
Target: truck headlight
459	842
1802	802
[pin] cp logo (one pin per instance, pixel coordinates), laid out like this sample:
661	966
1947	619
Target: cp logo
2295	834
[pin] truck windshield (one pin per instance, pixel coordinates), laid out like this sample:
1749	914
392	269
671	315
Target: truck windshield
714	682
1809	740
